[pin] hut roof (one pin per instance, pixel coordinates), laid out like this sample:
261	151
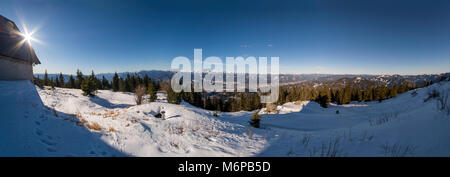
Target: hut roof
13	45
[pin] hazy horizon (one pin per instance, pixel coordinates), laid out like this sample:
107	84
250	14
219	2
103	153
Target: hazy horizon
310	37
100	73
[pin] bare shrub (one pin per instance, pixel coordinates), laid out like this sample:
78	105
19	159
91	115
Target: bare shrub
331	149
81	122
255	121
365	137
112	129
94	126
305	139
140	92
397	150
414	93
177	130
174	144
383	119
431	95
271	108
195	128
180	130
442	103
298	102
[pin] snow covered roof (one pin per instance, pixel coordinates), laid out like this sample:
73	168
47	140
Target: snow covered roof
12	44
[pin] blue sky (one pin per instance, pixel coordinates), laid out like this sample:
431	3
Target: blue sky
353	37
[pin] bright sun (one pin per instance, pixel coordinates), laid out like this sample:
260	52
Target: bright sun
27	37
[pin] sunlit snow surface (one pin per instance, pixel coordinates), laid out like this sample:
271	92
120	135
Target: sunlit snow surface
53	122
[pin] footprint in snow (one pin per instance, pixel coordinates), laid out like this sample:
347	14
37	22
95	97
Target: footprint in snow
48	142
50	149
39	132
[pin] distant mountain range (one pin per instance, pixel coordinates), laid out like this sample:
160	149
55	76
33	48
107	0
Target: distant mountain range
156	75
288	79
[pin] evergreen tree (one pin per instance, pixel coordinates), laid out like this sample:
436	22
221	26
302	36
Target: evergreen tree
255	102
105	83
173	97
88	87
52	83
61	81
122	85
128	83
393	91
340	96
95	80
115	82
347	95
71	83
152	92
146	80
380	93
368	96
404	87
359	95
46	80
79	79
324	97
38	82
57	84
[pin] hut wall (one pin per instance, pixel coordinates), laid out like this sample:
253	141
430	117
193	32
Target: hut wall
11	69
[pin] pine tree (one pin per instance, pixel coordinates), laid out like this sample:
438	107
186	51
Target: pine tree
57	84
122	85
146	80
38	82
347	94
105	83
61	81
340	96
380	93
173	97
52	83
95	80
359	95
393	91
79	79
115	82
152	92
46	80
324	97
404	87
71	83
128	83
88	87
368	96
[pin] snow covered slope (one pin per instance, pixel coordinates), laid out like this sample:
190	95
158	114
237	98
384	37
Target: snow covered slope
63	122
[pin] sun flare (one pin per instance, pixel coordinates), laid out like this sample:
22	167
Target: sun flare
27	37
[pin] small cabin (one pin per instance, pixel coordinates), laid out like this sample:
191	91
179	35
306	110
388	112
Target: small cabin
17	57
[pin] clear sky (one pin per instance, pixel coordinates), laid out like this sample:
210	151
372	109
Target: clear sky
316	36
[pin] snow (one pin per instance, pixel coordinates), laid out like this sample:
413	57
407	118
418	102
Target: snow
54	122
